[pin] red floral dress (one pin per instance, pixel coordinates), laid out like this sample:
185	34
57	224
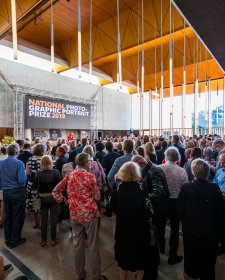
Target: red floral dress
83	193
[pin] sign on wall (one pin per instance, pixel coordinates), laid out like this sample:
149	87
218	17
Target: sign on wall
50	113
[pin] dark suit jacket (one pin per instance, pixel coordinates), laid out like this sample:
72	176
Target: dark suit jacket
108	160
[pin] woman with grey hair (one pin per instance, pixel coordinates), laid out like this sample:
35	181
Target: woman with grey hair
33	166
201	210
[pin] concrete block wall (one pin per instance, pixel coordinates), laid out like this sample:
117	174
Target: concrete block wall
114	109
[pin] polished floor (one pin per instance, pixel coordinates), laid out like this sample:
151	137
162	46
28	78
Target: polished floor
56	263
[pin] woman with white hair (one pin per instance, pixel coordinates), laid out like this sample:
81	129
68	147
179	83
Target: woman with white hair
200	207
95	168
132	230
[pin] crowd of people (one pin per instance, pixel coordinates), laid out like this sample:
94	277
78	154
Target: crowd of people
148	182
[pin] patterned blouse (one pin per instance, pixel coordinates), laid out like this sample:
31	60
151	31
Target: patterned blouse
82	195
97	170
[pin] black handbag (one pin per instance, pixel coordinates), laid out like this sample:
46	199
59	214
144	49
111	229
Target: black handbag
36	204
64	208
152	228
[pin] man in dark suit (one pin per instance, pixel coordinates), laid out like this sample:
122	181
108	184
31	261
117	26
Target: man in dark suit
108	160
175	143
26	154
107	163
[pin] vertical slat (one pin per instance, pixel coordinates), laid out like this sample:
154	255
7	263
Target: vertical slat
162	81
79	39
184	83
14	29
209	107
171	71
155	61
52	39
138	67
119	63
196	89
142	67
223	105
90	47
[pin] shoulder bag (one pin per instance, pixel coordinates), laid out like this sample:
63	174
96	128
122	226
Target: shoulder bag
64	208
36	204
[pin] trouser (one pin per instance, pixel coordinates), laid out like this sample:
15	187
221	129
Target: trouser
14	207
159	220
172	214
151	271
199	258
79	231
49	204
222	233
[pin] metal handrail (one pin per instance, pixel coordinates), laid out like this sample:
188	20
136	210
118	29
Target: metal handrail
185	131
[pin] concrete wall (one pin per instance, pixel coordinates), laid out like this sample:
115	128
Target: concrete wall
114	110
6	105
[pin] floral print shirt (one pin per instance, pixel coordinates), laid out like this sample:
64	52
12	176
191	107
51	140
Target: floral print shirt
82	195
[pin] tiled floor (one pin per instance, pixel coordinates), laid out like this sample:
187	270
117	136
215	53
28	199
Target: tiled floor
56	263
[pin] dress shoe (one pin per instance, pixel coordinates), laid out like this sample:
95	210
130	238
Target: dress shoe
175	260
7	267
22	240
221	251
107	213
7	270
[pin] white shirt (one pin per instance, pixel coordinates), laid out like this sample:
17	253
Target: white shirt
175	177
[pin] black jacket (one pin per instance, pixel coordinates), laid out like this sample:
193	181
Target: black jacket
45	181
182	156
201	209
108	160
160	155
154	181
24	156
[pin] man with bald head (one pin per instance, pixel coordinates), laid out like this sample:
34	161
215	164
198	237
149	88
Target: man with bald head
219	179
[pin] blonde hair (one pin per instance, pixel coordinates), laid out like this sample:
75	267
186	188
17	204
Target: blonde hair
46	163
200	169
149	149
89	150
129	172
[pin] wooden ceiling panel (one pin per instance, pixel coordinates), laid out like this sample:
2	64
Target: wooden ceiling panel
36	28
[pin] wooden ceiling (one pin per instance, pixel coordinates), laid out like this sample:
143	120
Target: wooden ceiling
33	26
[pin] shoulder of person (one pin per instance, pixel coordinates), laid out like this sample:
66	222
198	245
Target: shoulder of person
19	162
220	170
187	186
91	176
214	186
